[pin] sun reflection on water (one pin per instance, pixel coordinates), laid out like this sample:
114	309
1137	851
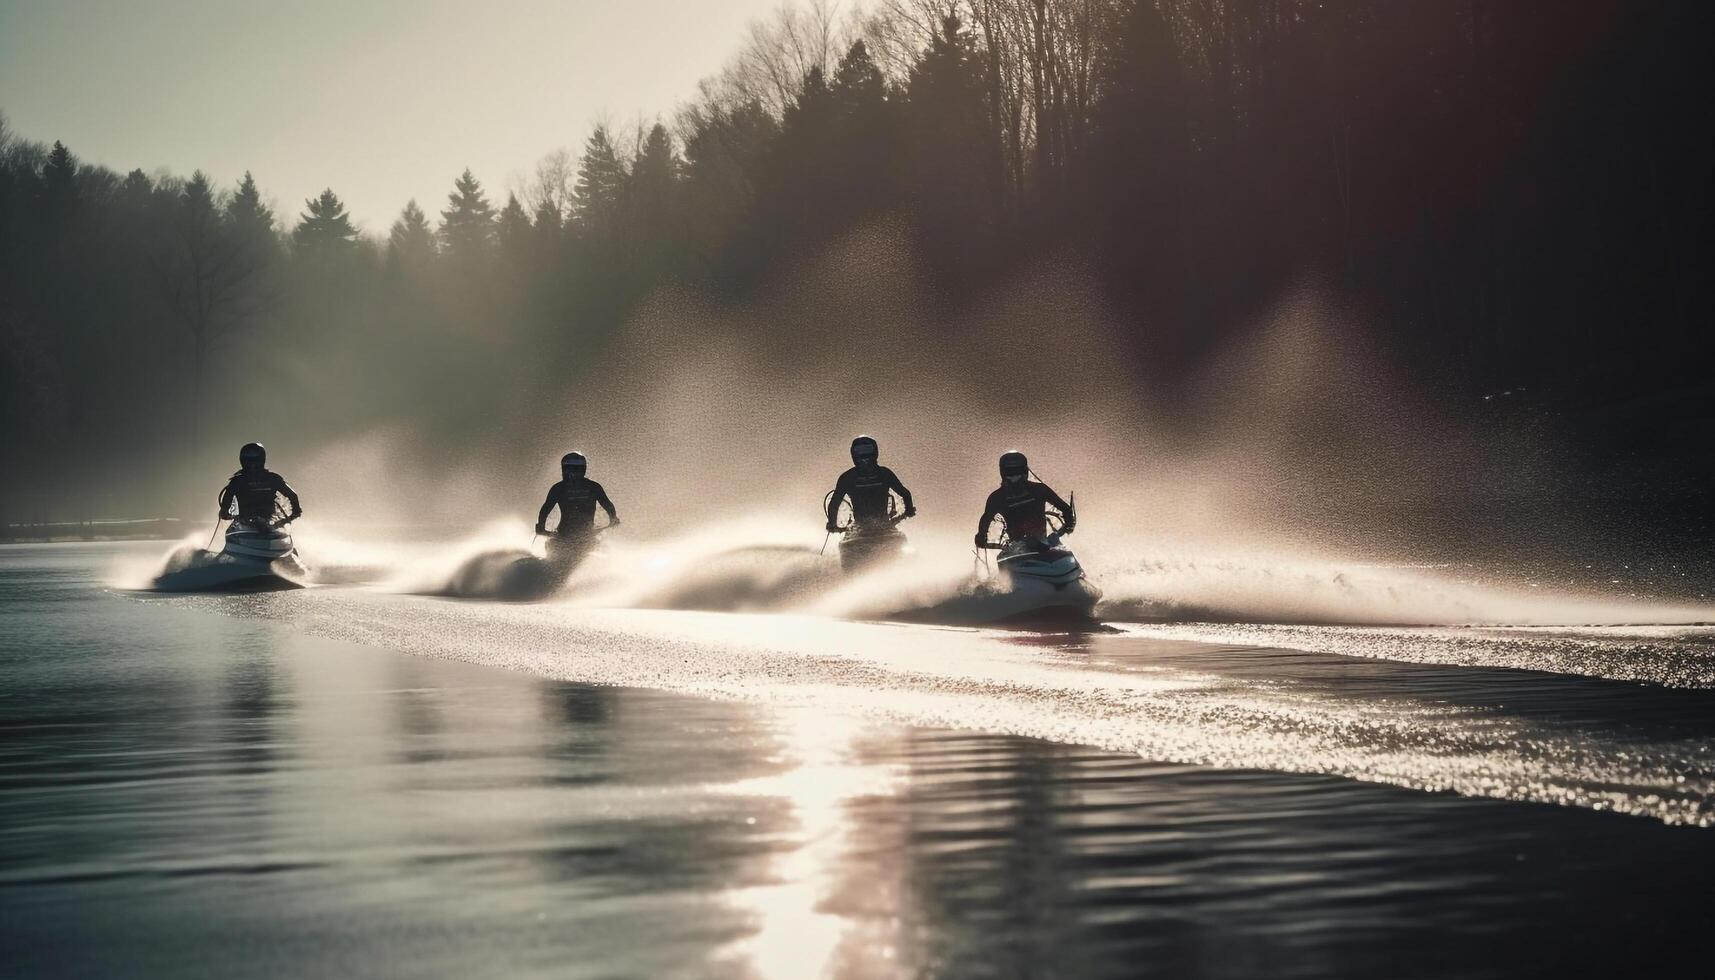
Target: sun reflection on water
802	928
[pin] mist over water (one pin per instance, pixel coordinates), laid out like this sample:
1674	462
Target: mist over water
1297	478
1381	394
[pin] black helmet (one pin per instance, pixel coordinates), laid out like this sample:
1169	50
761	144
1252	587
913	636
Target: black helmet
864	450
252	455
1013	466
573	464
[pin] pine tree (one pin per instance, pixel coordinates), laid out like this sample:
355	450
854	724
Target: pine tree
726	157
137	188
657	165
803	160
411	242
652	201
547	223
197	204
467	225
858	85
252	222
246	210
601	182
513	230
213	283
863	153
814	104
956	161
59	179
325	227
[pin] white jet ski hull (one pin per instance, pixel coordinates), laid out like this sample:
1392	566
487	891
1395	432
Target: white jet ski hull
205	572
254	559
1040	582
1043	578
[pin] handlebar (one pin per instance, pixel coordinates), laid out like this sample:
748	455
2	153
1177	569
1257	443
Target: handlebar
890	522
594	529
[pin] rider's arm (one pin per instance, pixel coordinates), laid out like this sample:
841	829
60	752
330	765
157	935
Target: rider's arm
1048	496
1068	517
990	511
285	490
226	499
548	506
842	486
899	488
606	504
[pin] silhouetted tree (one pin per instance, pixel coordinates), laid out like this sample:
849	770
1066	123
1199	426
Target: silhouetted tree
1504	195
410	242
801	165
136	190
867	143
600	185
249	215
325	228
726	149
252	221
652	197
211	280
467	225
59	182
1143	143
548	221
955	156
512	231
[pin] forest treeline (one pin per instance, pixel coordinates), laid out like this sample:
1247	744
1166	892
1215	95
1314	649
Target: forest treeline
1511	192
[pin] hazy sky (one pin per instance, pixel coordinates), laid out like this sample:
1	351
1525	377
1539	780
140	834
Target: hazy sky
383	100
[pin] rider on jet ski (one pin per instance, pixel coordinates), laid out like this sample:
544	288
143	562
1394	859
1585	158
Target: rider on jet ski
577	497
254	488
1022	504
867	483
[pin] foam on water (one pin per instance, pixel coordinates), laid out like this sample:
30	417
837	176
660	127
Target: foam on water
1670	656
987	681
763	563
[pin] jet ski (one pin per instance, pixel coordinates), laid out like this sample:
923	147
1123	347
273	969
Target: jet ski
523	576
1040	578
1045	567
257	557
1040	584
862	546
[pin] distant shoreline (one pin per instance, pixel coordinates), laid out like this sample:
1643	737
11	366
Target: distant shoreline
147	529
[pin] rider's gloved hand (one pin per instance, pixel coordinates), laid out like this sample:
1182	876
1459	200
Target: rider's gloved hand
981	539
541	529
910	512
832	527
613	522
1071	524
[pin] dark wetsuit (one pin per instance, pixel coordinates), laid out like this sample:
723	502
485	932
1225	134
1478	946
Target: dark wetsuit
1023	506
868	487
255	491
577	498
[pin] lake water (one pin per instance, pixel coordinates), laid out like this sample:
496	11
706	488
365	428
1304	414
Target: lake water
349	781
